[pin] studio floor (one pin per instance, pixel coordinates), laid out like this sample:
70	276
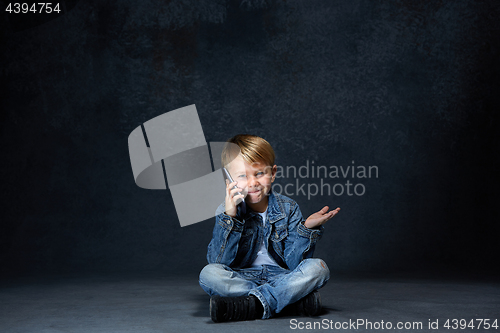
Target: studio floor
155	303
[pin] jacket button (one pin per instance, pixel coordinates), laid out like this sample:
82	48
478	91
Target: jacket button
228	222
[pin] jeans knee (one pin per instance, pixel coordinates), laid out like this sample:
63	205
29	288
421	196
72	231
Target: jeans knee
325	271
209	275
320	269
209	271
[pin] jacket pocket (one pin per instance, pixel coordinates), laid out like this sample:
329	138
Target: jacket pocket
280	232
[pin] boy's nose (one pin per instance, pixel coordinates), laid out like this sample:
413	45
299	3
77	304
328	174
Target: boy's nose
252	181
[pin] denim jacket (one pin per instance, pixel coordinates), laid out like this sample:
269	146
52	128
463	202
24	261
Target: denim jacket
236	241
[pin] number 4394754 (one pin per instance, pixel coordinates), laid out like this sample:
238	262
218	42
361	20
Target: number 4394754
40	7
462	324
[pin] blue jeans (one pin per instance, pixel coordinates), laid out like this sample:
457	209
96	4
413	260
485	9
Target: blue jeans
274	286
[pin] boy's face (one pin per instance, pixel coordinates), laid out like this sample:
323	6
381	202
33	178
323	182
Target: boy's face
255	179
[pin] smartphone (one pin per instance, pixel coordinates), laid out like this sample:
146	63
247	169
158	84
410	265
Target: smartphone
241	205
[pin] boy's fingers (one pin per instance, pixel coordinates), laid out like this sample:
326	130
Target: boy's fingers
324	210
329	215
234	191
332	213
230	185
335	211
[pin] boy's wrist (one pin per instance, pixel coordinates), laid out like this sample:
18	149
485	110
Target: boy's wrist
231	223
314	233
312	228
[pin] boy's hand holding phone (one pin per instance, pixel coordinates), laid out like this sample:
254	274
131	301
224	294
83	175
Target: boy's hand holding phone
233	198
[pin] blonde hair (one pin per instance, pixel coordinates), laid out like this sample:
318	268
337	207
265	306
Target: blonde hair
253	149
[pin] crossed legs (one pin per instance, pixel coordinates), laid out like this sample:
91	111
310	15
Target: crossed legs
275	287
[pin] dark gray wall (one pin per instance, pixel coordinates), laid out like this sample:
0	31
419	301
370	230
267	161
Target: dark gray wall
408	86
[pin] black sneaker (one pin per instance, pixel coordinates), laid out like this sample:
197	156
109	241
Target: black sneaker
309	306
233	308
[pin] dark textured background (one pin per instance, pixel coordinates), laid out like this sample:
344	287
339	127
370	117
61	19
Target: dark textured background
409	86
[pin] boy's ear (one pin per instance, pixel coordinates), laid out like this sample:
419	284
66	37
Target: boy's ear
273	172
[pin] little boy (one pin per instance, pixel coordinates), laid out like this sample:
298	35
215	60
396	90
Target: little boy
260	257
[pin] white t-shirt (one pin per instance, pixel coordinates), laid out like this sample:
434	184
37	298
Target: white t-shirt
263	257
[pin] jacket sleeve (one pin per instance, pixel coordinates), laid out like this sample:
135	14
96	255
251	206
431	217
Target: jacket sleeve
301	241
226	236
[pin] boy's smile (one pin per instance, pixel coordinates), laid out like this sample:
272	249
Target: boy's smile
255	180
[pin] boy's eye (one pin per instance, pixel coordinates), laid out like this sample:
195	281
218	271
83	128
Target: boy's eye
260	173
242	176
